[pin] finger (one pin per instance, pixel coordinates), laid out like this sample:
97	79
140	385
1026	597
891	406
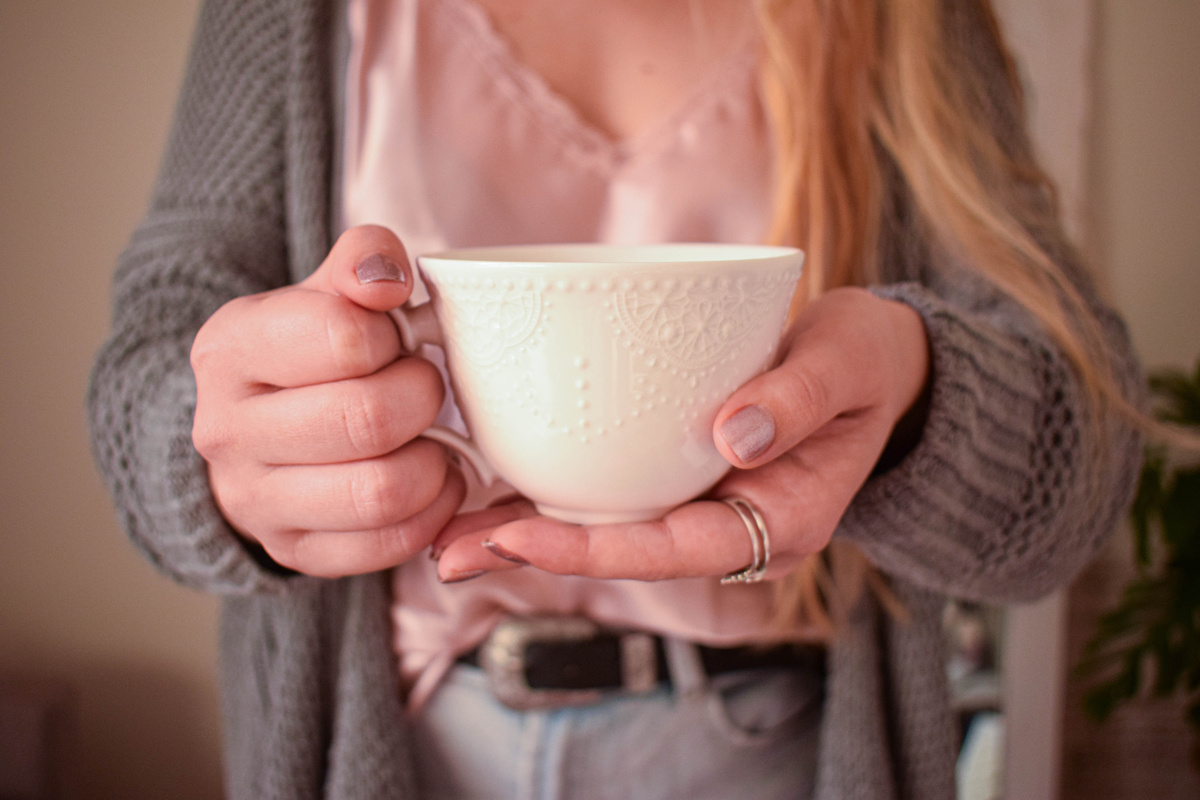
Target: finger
333	554
324	328
367	265
459	548
828	367
288	338
803	493
695	540
356	496
801	496
482	520
350	420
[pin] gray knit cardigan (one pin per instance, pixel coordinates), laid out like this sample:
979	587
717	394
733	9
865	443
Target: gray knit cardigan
1007	493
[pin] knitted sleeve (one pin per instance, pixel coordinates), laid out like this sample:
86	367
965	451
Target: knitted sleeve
214	231
1014	483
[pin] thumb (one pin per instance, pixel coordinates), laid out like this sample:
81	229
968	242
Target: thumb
773	412
849	355
369	266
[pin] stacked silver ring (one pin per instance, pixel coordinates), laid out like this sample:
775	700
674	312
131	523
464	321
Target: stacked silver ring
760	542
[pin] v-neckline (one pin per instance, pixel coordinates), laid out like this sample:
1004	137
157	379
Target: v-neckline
529	88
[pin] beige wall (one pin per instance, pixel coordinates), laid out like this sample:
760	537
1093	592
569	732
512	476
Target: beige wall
85	95
1146	171
86	90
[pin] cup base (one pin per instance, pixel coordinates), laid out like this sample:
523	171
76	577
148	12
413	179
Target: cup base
582	516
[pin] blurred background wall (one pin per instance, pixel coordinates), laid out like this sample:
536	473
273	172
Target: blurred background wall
86	92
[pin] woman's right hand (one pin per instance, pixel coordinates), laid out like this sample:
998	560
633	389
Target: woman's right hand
308	417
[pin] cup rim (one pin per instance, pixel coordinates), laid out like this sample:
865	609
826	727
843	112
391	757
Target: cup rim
597	254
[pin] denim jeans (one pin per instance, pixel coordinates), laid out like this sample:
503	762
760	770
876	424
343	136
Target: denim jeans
747	735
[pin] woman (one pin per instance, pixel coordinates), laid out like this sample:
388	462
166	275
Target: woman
948	417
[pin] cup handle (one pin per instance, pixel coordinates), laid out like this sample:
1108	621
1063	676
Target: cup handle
418	325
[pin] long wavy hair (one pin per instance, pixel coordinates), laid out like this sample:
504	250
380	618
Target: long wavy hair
871	100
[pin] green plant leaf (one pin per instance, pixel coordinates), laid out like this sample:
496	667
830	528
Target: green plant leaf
1181	509
1178	396
1153	631
1146	503
1100	702
1170	665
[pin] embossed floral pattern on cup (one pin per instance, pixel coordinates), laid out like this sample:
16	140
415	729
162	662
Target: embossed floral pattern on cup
590	377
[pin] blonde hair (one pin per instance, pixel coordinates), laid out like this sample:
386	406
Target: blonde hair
871	100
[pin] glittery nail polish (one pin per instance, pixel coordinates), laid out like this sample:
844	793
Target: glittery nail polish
507	555
379	267
749	432
460	577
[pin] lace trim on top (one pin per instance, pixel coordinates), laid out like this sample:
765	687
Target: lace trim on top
528	89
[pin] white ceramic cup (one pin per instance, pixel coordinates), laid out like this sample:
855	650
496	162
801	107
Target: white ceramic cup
590	376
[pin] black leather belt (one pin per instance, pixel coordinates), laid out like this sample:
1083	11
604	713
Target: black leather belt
538	662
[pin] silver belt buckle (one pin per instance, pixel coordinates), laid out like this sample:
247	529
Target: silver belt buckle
502	658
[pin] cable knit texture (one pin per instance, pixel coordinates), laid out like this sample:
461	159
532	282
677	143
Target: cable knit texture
1003	498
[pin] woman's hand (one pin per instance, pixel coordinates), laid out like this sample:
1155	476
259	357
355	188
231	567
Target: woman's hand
308	417
804	437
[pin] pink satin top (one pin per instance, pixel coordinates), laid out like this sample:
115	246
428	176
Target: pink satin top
452	142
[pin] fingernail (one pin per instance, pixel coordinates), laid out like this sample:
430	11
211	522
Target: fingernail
507	555
465	575
749	432
379	267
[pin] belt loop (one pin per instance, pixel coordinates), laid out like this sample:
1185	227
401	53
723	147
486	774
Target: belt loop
687	670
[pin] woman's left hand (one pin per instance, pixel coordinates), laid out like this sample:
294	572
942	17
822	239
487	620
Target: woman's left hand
803	438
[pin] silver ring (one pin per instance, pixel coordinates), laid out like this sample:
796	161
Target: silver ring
760	542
